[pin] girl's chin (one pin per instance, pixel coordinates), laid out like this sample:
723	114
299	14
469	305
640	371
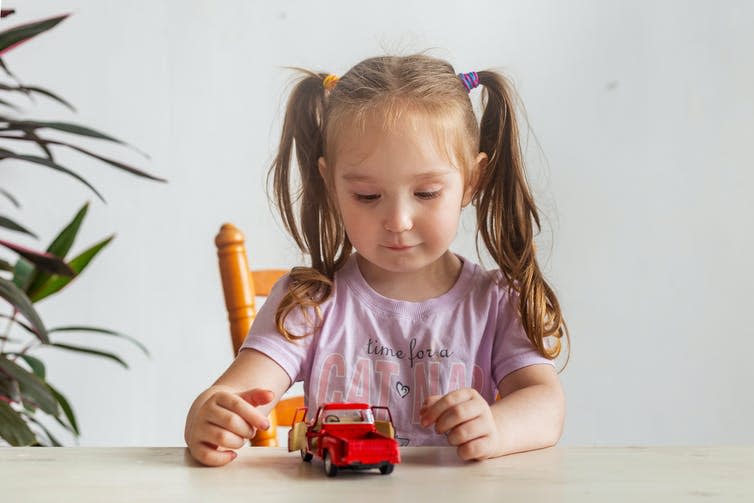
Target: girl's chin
395	261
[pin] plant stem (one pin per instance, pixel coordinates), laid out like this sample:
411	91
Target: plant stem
6	335
27	348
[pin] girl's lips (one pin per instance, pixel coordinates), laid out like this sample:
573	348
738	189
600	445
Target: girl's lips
399	248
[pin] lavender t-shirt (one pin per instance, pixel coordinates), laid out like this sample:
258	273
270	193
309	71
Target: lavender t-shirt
381	351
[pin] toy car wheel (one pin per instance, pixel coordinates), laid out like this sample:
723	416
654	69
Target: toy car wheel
387	468
330	469
306	455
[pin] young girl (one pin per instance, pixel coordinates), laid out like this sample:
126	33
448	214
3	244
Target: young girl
387	156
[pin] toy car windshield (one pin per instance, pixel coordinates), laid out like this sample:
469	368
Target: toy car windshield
349	416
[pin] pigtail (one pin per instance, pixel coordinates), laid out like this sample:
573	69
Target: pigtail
506	214
315	229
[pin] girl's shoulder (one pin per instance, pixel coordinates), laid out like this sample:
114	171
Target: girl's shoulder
490	284
306	301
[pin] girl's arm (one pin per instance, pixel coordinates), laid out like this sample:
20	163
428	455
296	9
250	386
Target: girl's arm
531	412
234	407
529	415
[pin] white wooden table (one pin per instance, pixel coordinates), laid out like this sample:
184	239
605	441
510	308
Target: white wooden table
604	474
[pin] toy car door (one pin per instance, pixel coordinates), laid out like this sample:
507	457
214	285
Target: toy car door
297	433
383	421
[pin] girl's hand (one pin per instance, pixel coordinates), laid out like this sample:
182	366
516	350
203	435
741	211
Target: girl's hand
223	422
466	420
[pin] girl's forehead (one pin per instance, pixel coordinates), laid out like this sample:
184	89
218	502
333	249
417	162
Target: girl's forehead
410	136
409	148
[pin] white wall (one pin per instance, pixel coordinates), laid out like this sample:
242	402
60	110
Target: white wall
644	112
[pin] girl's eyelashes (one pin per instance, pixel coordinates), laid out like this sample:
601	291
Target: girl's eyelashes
427	195
373	197
366	197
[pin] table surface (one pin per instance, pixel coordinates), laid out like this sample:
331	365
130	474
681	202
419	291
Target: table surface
723	473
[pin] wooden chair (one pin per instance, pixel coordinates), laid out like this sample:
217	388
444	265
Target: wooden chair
240	287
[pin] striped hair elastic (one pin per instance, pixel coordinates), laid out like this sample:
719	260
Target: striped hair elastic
470	80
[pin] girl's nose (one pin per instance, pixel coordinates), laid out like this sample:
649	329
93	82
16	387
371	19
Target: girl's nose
398	217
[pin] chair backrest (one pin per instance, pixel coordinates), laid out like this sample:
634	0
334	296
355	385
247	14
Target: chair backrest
241	286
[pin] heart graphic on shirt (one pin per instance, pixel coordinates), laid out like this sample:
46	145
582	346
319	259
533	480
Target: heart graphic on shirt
402	389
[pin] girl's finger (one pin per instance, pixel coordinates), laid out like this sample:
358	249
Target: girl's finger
224	418
458	414
468	431
221	438
429	401
432	412
476	449
211	456
249	413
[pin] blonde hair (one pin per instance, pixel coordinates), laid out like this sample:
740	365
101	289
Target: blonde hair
427	87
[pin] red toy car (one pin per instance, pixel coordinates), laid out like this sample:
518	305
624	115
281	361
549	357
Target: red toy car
346	436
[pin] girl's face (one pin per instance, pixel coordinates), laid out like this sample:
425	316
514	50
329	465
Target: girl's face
400	199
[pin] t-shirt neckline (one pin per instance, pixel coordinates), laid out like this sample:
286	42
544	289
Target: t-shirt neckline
351	274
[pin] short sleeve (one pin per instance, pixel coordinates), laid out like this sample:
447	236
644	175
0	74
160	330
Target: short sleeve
265	338
512	349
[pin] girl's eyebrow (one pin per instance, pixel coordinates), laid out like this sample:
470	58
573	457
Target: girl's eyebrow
357	177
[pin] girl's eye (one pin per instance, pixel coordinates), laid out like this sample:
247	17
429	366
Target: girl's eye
427	195
366	197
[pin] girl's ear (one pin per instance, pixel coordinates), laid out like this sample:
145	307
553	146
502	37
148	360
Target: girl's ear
322	167
480	164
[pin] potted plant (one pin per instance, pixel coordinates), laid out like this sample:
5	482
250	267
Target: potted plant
29	275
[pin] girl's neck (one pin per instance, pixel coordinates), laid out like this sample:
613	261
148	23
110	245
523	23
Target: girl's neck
416	286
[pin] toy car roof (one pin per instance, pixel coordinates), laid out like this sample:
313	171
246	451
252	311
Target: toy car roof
347	406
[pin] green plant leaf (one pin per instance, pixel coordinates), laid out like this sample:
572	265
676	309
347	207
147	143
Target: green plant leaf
5	265
43	143
55	283
12	37
31	135
9	389
10	224
37	365
59	247
22	273
18	298
95	352
103	331
68	128
13	428
118	164
53	441
43	260
63	242
32	387
10	198
19	323
72	425
28	90
66	426
34	159
7	70
9	105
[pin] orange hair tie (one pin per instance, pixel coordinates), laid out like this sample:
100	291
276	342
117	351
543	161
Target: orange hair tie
330	82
